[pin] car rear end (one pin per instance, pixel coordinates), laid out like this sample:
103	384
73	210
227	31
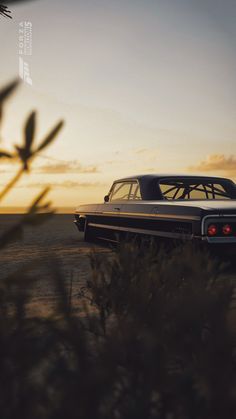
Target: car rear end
219	228
218	231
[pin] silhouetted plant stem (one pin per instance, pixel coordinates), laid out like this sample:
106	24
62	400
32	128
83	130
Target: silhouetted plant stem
12	183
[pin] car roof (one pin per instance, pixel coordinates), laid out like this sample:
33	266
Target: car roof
170	175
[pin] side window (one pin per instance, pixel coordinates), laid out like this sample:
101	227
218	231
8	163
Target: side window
135	192
120	191
138	193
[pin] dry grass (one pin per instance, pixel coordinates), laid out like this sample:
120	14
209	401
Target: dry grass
157	343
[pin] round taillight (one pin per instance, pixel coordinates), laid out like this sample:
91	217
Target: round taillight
212	230
227	229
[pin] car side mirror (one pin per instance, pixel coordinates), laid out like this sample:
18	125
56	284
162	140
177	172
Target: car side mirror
106	198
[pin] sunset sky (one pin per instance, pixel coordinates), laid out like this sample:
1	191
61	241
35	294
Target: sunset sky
144	87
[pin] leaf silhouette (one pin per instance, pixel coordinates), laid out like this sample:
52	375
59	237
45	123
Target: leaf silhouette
50	137
26	153
4	11
37	213
6	91
34	206
30	131
5	154
24	156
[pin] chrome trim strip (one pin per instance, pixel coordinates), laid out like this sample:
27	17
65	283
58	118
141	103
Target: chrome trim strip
144	231
221	239
141	214
109	227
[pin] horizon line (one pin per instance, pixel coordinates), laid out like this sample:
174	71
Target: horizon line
23	210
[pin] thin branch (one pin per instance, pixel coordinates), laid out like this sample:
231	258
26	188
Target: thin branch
12	183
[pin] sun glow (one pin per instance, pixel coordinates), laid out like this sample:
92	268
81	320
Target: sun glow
142	89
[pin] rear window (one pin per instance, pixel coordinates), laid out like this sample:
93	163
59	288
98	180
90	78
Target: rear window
174	189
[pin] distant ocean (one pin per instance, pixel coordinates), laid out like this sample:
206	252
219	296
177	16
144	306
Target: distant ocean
22	210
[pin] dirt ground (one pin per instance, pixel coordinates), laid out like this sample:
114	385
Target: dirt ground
56	242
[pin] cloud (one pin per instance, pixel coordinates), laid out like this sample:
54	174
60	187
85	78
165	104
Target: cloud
141	151
113	162
217	163
65	184
150	152
66	167
55	166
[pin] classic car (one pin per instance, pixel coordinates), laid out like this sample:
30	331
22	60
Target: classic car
166	206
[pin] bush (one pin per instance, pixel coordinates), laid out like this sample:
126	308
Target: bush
167	337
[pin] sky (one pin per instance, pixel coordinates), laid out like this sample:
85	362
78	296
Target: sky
143	86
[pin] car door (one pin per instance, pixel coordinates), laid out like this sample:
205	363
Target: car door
128	219
109	213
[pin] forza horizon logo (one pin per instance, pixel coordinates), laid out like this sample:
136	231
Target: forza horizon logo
25	51
24	71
